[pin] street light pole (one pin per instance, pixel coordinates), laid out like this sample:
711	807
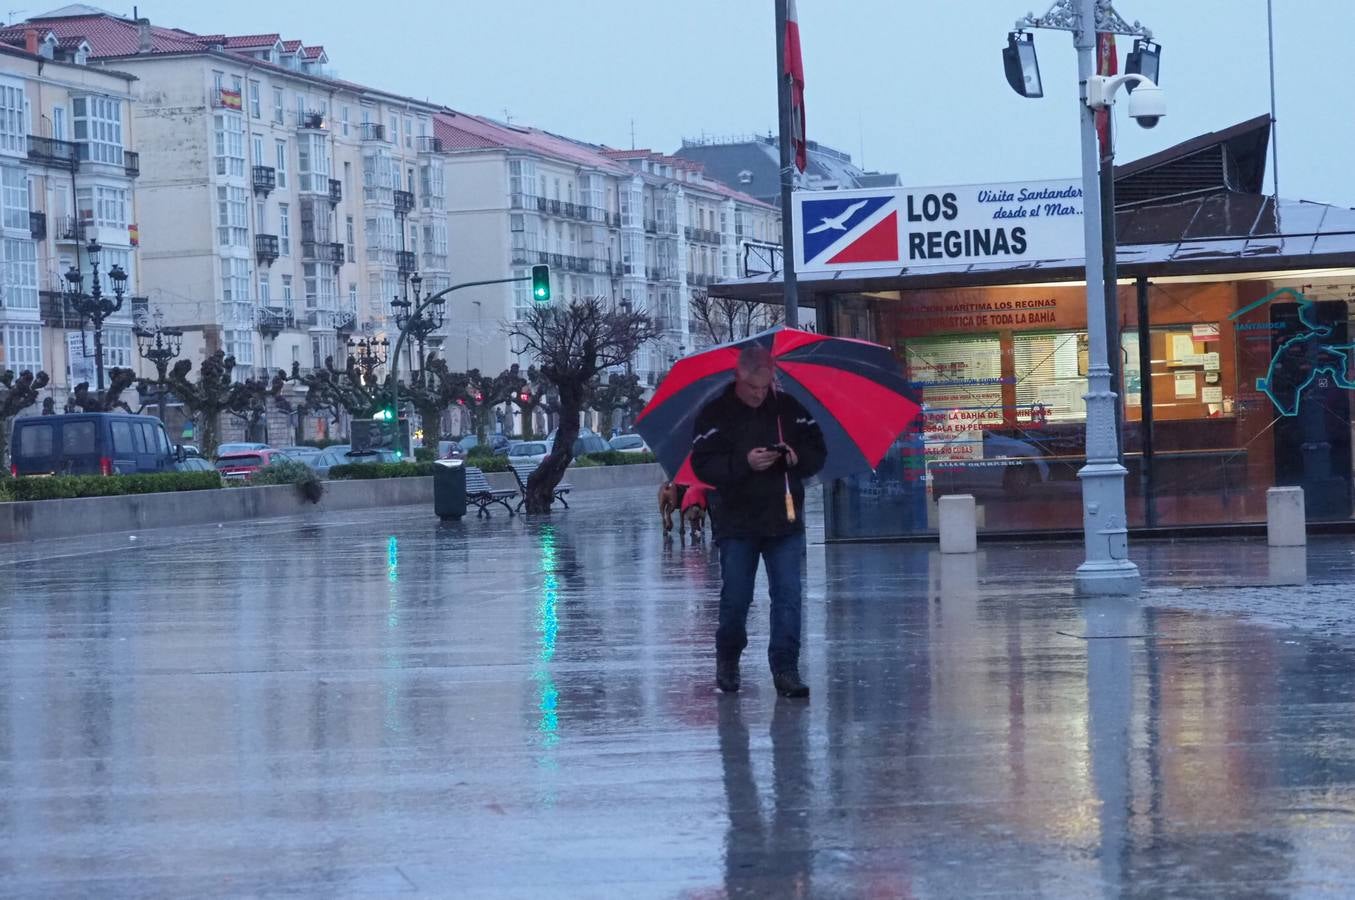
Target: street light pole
1106	568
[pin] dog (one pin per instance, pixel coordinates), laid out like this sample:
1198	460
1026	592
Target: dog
694	509
670	501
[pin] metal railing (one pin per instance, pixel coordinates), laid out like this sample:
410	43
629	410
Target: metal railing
335	191
265	179
131	163
371	131
52	152
427	144
266	248
404	202
37	225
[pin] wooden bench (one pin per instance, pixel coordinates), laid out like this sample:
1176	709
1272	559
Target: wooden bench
523	471
482	496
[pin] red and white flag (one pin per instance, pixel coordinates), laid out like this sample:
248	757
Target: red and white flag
1107	63
795	71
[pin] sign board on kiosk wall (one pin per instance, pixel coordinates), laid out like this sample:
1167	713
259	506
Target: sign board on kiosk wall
914	228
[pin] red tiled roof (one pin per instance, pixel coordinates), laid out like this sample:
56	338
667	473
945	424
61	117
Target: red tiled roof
313	52
291	46
468	132
248	41
107	35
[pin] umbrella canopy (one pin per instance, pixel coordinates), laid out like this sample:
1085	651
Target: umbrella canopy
852	388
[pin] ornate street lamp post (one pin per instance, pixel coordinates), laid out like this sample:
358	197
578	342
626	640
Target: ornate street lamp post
94	305
419	318
368	355
161	346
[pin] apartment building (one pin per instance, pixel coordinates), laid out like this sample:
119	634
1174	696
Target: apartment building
636	227
281	209
67	176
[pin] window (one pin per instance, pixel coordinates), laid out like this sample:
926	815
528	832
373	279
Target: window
352	297
345	113
277	105
281	147
122	437
522	293
260	216
232	226
21	347
230	144
1051	375
268	355
13	129
218	83
117	347
313	163
59	123
258	150
409	133
254	103
287	290
265	292
311	281
431	182
285	232
77	439
235	280
98	129
240	344
20	289
15	198
352	250
34	440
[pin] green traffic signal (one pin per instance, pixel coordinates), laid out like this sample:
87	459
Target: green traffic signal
541	284
384	415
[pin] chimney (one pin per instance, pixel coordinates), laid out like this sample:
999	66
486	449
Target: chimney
143	36
31	40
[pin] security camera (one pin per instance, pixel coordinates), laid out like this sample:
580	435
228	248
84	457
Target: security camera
1147	105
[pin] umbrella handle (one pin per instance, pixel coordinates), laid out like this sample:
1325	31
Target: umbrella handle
790	506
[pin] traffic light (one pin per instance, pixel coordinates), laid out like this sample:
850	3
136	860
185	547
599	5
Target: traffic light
525	397
385	414
541	284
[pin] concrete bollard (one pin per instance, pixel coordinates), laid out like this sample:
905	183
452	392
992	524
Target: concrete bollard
958	521
1285	522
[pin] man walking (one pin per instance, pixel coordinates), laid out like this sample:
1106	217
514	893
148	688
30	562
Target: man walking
756	445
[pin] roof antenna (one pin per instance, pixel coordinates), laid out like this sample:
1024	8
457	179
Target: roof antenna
632	134
507	116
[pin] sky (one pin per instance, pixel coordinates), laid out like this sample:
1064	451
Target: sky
909	86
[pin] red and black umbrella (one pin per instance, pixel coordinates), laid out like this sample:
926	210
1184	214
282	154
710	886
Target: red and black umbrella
852	388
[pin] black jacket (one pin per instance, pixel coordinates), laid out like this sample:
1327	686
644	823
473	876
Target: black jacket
748	503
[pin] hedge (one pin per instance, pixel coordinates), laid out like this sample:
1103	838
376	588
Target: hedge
357	471
617	458
66	487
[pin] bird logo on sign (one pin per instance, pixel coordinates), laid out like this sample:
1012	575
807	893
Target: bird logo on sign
857	229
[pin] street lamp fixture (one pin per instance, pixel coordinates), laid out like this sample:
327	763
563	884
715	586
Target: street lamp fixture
1145	59
419	316
368	355
160	346
1106	568
94	306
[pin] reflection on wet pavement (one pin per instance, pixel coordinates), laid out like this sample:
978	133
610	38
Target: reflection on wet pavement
377	704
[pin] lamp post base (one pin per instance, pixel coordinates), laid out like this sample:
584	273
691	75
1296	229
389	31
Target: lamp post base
1108	577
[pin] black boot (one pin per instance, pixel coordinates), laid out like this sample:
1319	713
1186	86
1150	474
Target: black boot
727	674
788	684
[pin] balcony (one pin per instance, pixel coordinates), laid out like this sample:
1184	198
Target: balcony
425	144
571	210
265	179
335	191
337	254
72	228
652	273
557	260
310	120
37	225
131	163
555	207
579	264
272	320
371	131
522	257
405	262
651	226
344	320
54	153
435	262
404	202
542	204
226	99
614	220
265	248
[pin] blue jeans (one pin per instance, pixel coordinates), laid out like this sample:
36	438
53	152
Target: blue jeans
738	570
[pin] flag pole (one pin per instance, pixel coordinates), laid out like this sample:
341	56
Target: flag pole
792	298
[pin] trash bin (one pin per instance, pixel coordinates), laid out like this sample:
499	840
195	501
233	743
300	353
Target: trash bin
449	488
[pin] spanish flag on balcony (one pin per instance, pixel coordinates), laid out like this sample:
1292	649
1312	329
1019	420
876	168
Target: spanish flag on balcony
232	99
134	235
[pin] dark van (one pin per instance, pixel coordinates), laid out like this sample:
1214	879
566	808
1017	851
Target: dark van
90	444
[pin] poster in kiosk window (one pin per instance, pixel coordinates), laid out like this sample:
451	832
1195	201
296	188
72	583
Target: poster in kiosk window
959	225
382	434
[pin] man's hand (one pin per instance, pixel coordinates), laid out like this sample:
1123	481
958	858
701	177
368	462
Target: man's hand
791	459
760	459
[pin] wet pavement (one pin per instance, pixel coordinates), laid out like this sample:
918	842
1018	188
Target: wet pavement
377	704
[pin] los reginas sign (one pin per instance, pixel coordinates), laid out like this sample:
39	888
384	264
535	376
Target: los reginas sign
940	226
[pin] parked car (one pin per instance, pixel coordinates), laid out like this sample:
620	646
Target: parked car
90	444
588	441
194	464
241	466
191	450
629	443
240	447
450	449
302	454
345	455
498	443
528	452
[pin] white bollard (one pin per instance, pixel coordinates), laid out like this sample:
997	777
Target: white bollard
959	529
1285	523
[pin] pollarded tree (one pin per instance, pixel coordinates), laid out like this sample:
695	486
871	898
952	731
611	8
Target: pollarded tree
207	398
572	344
249	400
119	380
617	392
17	393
